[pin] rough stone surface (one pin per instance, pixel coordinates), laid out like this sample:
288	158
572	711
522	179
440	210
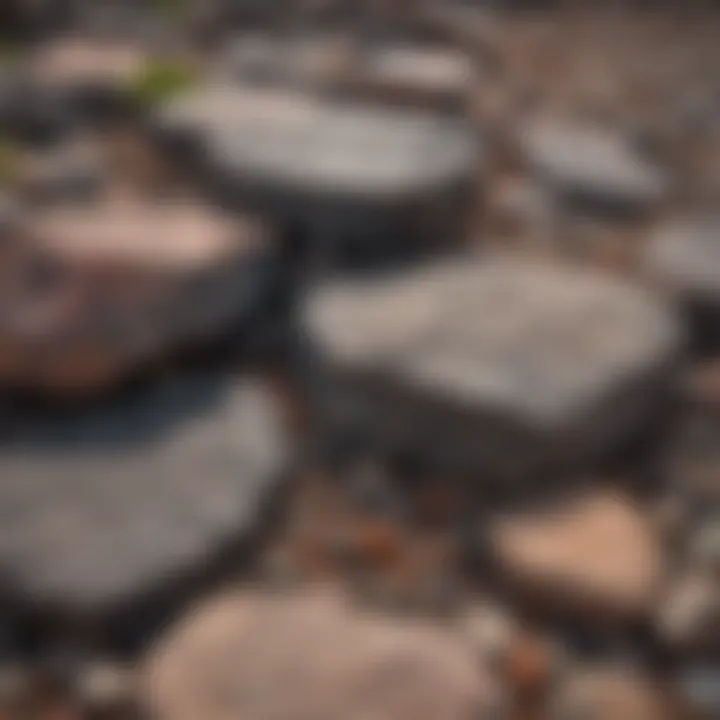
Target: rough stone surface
99	290
108	508
605	693
596	554
592	168
498	365
684	257
356	179
688	620
415	76
330	659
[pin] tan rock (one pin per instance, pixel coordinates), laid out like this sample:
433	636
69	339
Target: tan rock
610	694
592	554
311	656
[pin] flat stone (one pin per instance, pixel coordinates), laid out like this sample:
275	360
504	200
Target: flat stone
108	509
415	76
311	655
594	556
496	367
688	619
592	168
684	257
354	177
607	693
104	288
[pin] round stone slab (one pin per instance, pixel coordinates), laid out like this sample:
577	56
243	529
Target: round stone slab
347	151
494	365
592	168
312	655
349	176
108	508
103	289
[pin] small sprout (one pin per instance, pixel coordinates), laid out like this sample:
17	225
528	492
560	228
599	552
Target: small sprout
10	163
161	80
170	8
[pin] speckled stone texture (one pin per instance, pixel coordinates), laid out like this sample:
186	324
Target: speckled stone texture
112	510
312	655
493	367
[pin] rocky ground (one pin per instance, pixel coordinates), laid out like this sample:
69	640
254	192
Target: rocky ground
359	360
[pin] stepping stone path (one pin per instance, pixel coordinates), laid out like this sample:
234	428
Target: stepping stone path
111	513
99	290
498	367
591	168
310	655
335	174
684	257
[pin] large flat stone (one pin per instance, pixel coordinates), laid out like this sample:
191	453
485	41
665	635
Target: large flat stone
312	655
111	511
350	175
494	366
100	290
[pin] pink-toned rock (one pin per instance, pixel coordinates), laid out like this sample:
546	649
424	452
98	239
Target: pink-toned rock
595	554
311	655
606	693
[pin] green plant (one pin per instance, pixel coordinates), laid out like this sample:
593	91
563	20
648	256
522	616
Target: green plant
160	80
10	162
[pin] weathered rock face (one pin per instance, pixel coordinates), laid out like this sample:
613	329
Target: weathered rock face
312	655
685	258
688	621
591	168
605	694
354	177
495	368
592	556
119	508
100	290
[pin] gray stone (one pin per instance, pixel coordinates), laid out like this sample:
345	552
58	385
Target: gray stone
108	509
415	76
312	655
354	177
495	367
592	168
684	257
